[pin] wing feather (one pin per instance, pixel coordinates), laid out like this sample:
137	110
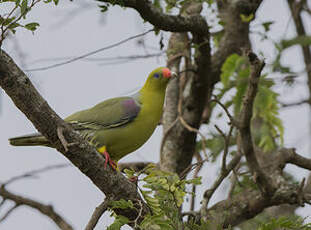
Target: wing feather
106	115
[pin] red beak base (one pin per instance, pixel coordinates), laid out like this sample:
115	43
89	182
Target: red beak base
166	73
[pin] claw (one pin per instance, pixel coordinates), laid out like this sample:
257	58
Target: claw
109	161
133	179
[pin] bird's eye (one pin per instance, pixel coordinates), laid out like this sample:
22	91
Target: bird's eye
156	75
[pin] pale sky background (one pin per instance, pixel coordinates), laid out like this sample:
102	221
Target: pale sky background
63	32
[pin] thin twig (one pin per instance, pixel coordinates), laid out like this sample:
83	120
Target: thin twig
226	145
46	210
184	173
234	180
88	54
2	202
62	139
223	174
300	192
33	173
3	31
196	173
136	166
232	120
9	212
139	214
98	212
101	59
244	127
285	105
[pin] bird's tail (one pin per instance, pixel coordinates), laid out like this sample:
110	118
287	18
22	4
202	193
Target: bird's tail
29	140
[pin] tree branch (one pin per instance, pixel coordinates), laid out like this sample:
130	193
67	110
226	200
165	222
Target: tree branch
302	102
290	156
136	166
33	173
296	8
250	202
46	210
178	146
235	39
245	125
83	56
236	32
98	212
160	20
223	174
8	212
18	86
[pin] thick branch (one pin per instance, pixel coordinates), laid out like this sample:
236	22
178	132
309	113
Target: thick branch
18	86
190	92
250	202
46	210
152	14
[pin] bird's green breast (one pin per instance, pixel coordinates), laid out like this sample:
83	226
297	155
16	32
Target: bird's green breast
122	140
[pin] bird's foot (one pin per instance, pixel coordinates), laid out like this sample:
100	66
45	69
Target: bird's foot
133	179
109	161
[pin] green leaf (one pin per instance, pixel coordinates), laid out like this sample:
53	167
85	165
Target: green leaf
32	26
6	21
170	4
267	25
118	223
129	173
299	40
285	223
195	181
157	4
228	69
267	127
246	18
12	27
103	8
123	204
158	222
24	8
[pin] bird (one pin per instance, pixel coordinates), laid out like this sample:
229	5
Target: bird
117	126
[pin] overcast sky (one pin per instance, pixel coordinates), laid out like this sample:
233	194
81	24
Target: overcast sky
66	32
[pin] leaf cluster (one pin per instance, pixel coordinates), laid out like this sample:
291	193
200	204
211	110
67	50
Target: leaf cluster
164	193
18	10
285	223
267	127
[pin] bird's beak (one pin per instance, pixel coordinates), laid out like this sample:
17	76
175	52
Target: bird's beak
173	74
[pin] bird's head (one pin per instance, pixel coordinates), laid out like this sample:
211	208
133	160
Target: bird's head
158	79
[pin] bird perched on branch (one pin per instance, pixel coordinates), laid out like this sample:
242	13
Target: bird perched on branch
117	126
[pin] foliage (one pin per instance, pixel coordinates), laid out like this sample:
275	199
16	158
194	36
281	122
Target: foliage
164	194
17	12
285	223
267	127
